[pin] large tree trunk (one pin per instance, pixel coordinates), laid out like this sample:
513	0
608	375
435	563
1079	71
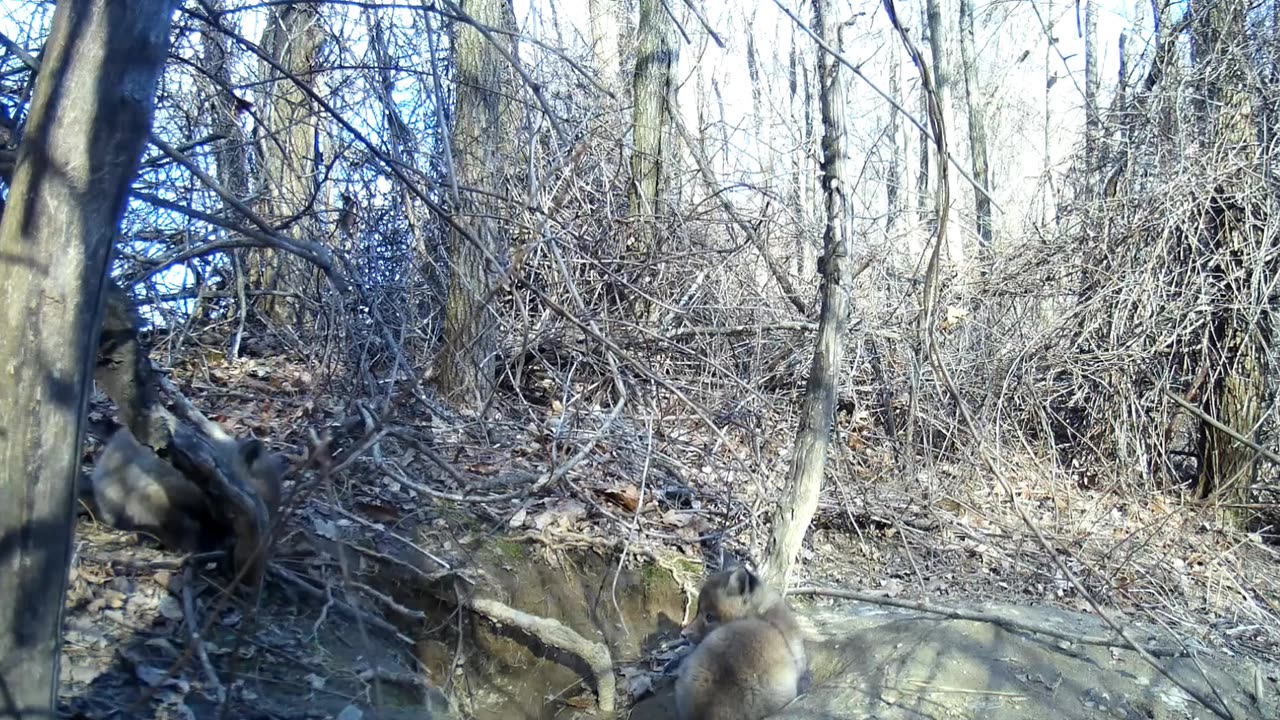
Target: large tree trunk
231	150
654	81
799	501
977	132
1239	334
606	45
481	137
89	120
287	142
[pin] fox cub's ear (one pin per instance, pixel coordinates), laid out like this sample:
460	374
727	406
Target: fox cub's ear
742	581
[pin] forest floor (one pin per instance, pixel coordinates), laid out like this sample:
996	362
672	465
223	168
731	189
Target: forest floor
422	501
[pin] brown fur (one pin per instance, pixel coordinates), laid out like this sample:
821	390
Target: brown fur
265	471
132	488
750	655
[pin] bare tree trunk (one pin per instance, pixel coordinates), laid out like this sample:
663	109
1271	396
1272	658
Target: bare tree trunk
72	177
809	191
804	484
1092	120
799	158
924	207
654	81
481	138
230	151
895	188
1049	80
287	146
1240	333
606	46
757	90
939	40
977	132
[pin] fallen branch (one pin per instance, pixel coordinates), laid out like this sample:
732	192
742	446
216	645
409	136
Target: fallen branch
560	636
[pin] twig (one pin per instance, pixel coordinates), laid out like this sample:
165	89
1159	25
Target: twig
1269	455
192	624
315	593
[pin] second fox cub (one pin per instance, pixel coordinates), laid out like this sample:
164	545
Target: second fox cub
132	488
750	655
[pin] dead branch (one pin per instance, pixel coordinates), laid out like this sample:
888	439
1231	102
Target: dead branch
557	635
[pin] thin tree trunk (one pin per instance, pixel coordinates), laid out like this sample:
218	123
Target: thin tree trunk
653	157
809	190
977	132
923	204
72	178
895	188
1092	120
1049	81
481	138
799	501
799	159
939	34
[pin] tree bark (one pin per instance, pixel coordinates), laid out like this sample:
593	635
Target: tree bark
977	132
939	34
230	151
287	142
1240	333
606	45
1092	120
924	208
90	116
895	186
799	500
654	81
481	137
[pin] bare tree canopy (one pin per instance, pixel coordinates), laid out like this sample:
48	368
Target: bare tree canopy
448	345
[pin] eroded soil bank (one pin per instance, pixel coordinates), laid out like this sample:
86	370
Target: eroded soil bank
891	664
301	660
867	660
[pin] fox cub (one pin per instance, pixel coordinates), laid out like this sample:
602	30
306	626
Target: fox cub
134	489
750	655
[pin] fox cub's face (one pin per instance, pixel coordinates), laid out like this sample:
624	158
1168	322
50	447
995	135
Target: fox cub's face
726	596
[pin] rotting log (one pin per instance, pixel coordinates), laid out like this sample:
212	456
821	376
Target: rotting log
89	119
